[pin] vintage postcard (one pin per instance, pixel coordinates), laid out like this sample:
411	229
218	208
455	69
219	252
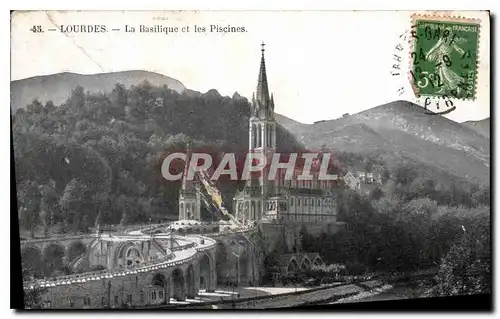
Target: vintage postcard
250	159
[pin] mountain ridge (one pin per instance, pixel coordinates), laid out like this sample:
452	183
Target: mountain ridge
395	129
57	87
481	126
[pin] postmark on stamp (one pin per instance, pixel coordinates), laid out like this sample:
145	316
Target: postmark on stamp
444	57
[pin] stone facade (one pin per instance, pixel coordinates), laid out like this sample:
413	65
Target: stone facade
137	288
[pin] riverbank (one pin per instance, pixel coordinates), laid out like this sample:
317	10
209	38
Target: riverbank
404	290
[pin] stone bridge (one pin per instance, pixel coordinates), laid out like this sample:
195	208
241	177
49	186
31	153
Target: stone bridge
134	279
238	255
150	266
137	269
44	257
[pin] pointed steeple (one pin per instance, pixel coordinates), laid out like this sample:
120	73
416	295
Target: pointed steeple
262	89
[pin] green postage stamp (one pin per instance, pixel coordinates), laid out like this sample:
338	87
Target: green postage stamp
444	56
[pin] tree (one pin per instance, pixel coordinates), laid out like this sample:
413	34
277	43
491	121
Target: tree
77	99
35	106
465	269
481	196
48	205
119	96
32	293
405	174
386	175
73	202
377	193
49	106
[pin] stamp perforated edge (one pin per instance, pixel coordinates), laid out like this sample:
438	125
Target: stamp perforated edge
451	18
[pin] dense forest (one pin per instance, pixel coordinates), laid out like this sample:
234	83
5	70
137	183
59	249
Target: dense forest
417	227
417	219
96	158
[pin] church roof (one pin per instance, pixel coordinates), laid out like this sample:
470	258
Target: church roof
262	104
262	87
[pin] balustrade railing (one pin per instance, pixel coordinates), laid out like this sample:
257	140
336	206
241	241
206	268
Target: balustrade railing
110	273
122	271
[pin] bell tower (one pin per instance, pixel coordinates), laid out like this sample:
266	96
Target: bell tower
262	126
250	203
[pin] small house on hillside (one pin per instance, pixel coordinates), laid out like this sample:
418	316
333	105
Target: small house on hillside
352	181
361	181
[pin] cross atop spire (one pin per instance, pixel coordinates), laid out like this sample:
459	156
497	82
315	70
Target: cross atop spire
262	45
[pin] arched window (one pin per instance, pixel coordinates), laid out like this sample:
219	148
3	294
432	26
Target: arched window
273	135
133	256
260	136
268	135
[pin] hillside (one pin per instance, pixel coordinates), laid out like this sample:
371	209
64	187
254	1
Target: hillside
57	87
402	130
482	126
98	157
286	121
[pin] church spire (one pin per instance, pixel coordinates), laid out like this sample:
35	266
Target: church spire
262	89
187	186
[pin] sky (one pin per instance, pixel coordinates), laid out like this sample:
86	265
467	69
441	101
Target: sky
320	64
